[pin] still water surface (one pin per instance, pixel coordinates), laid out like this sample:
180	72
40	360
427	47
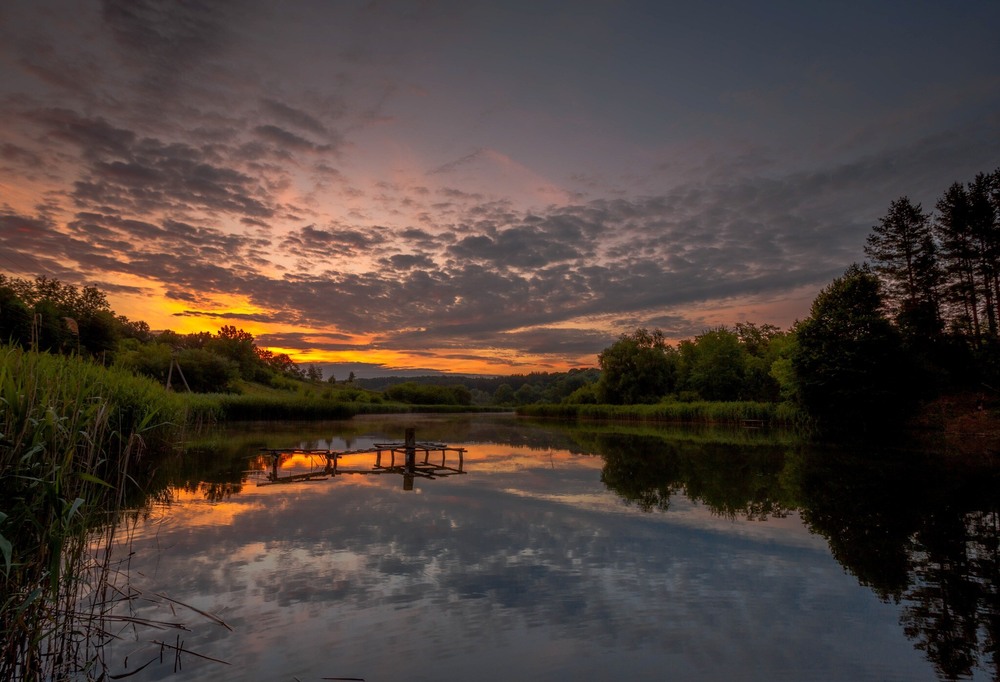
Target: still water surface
562	553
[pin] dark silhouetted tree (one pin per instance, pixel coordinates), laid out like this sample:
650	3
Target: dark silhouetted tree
15	318
903	253
986	233
848	362
953	228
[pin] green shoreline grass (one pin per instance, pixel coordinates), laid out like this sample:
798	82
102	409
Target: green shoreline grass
772	414
208	408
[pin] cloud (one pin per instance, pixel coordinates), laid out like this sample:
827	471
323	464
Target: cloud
165	39
230	315
313	242
143	175
452	165
293	116
408	261
289	140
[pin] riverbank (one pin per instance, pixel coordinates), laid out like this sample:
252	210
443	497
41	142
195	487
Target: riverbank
962	425
700	412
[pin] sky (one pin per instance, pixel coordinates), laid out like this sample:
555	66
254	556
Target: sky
472	186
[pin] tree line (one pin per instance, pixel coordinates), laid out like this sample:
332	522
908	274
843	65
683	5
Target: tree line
920	319
940	273
47	315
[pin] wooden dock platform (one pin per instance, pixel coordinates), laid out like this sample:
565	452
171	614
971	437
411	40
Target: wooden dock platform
409	464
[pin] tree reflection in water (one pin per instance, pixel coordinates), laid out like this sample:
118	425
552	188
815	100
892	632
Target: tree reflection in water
916	530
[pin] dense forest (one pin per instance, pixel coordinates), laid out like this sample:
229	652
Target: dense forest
919	319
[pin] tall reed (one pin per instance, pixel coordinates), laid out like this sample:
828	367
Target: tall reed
73	440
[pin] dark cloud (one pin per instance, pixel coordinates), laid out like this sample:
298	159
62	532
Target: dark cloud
408	261
319	340
95	137
312	242
74	75
17	154
167	39
230	315
289	140
293	116
471	157
519	247
424	240
146	175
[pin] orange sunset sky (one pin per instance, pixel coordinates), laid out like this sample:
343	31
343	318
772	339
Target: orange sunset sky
472	186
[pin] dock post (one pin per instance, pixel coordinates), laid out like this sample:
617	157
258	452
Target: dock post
410	459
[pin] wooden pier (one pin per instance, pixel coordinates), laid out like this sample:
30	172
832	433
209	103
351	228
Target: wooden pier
414	460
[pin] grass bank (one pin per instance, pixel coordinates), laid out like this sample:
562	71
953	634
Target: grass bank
703	412
210	408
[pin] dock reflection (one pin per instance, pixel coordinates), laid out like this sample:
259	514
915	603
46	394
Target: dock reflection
410	459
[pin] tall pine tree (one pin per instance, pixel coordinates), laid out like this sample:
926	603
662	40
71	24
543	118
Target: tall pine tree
984	228
903	253
959	250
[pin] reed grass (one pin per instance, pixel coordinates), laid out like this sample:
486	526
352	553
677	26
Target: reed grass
73	443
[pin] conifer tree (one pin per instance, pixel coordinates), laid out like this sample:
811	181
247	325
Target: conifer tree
959	251
904	255
984	228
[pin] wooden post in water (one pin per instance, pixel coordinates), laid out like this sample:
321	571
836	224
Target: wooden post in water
411	458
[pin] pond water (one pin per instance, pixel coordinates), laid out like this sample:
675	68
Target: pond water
560	552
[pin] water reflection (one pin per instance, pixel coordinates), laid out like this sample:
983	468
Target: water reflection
916	532
922	535
409	459
704	555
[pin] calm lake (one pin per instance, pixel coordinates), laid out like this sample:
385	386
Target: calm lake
561	552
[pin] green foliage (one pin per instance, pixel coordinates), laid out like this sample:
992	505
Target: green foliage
238	346
691	412
233	407
422	394
15	317
56	317
504	395
638	368
73	439
848	363
206	372
585	395
782	370
716	364
526	395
